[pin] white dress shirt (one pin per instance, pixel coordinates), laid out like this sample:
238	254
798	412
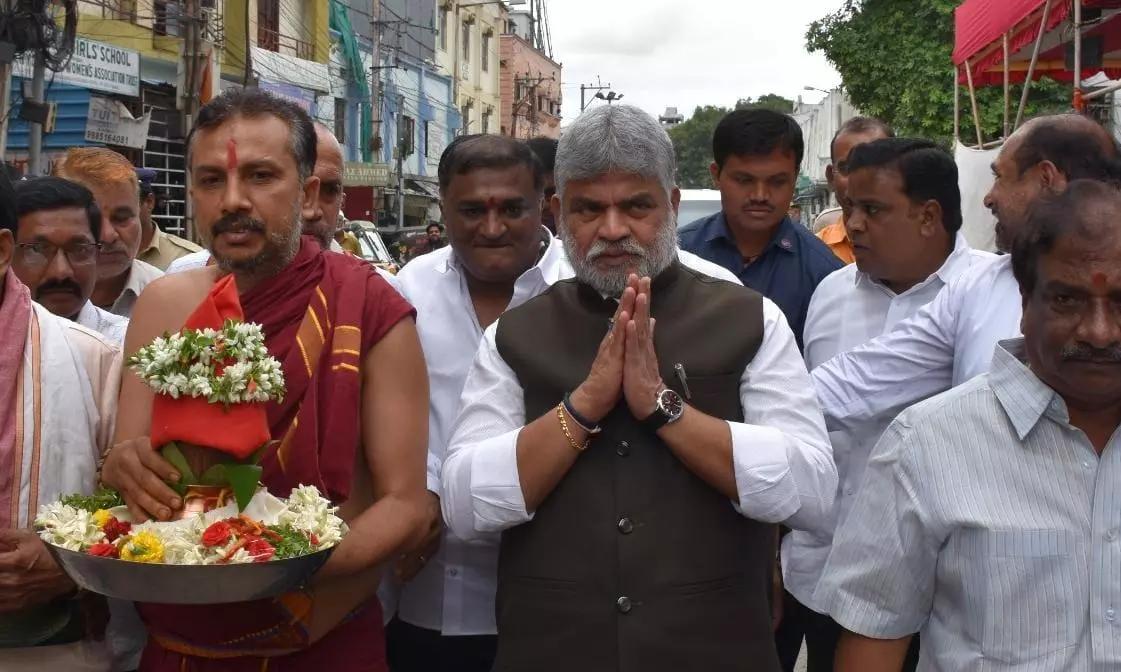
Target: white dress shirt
850	308
454	593
947	342
103	322
783	464
990	525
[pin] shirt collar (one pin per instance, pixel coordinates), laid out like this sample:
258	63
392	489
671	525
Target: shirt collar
785	237
549	267
153	244
1025	398
956	263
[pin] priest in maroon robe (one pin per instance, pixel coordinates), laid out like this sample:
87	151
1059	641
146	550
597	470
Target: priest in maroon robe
353	422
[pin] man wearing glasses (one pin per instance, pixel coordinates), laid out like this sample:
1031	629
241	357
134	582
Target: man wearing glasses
58	224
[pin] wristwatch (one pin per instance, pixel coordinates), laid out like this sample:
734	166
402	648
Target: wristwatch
668	410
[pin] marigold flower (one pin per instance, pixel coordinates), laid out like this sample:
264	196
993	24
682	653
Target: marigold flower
101	517
143	547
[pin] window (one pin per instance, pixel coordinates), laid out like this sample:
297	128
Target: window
466	118
427	145
408	135
485	59
486	122
541	103
466	40
442	28
268	24
340	120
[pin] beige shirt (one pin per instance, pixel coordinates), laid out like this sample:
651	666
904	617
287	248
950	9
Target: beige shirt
166	248
138	278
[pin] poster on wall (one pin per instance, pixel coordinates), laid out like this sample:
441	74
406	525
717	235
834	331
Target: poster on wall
95	65
111	123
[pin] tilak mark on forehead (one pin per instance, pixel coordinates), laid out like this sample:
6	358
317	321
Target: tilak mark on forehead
231	155
1099	279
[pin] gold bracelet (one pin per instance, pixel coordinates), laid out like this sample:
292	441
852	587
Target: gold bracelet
576	445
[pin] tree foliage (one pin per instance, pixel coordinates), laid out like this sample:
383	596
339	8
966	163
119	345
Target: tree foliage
692	139
894	61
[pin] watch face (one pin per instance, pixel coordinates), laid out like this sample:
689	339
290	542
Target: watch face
670	403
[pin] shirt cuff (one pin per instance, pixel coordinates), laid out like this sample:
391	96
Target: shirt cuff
496	488
764	482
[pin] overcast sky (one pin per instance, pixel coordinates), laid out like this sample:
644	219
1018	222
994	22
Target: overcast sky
659	54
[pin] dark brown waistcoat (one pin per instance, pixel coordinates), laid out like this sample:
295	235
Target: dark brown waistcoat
633	563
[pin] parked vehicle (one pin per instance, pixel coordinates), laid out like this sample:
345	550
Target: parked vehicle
374	249
697	203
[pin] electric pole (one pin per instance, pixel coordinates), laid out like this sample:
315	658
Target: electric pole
598	86
401	162
35	129
375	72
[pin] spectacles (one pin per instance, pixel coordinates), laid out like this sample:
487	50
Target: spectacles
41	254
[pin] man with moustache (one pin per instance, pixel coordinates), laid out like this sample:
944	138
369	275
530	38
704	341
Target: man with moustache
756	157
58	401
634	472
157	247
988	517
56	251
113	182
853	132
904	215
352	421
951	339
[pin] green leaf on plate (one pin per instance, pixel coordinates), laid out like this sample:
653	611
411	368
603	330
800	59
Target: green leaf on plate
215	475
174	456
243	479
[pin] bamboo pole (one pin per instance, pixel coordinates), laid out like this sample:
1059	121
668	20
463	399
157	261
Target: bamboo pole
1031	66
973	102
957	107
1007	89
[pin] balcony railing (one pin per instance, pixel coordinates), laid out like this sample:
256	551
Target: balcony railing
273	40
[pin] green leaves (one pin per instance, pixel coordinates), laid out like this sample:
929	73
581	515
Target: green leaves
102	499
243	479
894	60
174	457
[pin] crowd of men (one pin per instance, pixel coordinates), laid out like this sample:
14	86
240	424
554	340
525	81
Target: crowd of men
582	437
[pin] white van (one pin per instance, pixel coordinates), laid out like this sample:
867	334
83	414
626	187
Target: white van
697	203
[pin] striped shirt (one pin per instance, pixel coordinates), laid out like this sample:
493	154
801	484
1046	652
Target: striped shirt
990	524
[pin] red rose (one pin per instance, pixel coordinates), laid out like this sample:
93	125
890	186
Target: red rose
114	529
104	550
217	534
260	550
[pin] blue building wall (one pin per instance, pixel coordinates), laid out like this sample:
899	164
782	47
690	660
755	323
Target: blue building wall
70	120
427	95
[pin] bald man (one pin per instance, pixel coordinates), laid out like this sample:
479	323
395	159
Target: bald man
952	338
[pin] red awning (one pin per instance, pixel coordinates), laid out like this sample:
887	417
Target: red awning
981	24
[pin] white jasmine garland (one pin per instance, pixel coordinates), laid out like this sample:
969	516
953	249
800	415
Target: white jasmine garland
187	364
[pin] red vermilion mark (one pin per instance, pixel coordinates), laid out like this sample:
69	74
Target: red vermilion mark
1099	279
231	155
491	203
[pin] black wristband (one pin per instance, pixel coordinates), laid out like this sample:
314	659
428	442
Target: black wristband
585	424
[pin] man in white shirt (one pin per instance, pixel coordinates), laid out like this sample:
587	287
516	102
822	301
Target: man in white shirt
988	519
904	220
116	189
56	251
635	485
58	399
499	257
952	338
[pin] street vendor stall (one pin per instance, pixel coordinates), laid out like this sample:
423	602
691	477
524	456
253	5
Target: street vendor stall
1000	42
